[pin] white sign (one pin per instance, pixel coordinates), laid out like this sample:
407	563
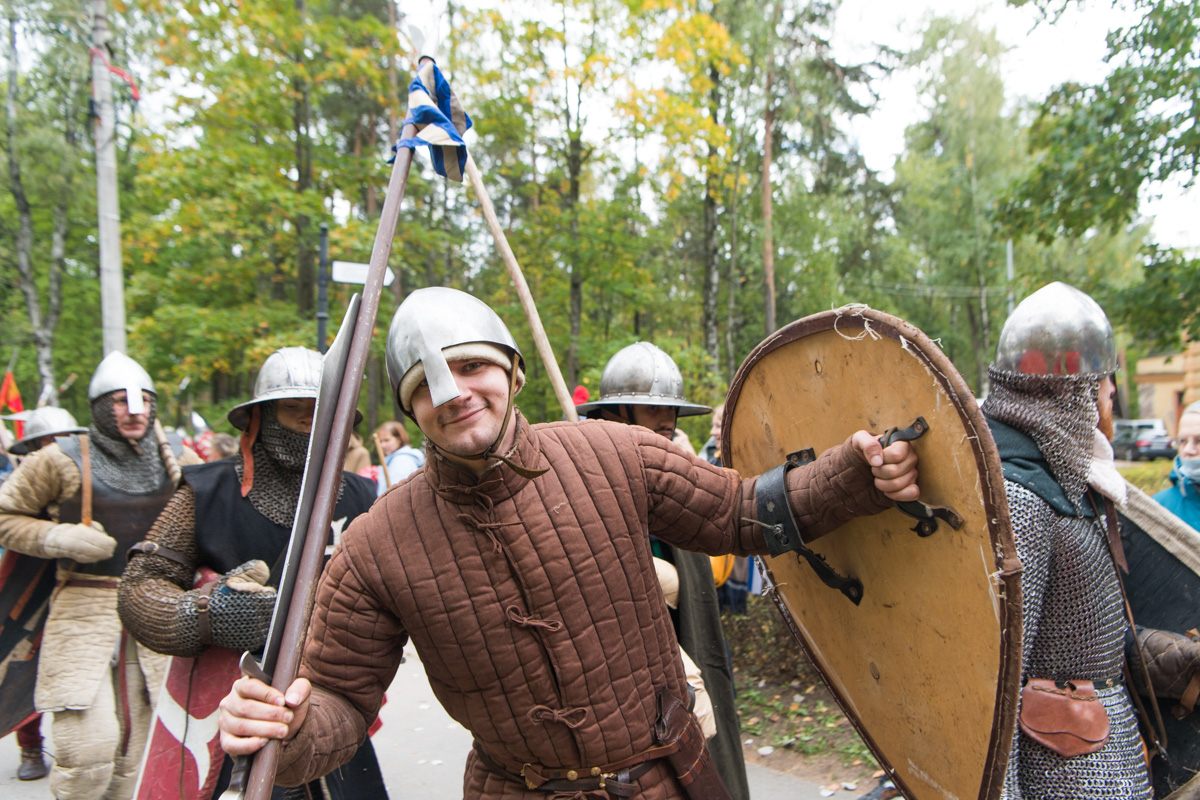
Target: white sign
350	272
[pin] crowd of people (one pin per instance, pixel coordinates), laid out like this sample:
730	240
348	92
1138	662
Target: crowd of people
555	578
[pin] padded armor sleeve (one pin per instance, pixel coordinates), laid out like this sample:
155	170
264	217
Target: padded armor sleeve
697	506
1172	661
43	480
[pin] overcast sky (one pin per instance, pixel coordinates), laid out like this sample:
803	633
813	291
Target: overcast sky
1043	56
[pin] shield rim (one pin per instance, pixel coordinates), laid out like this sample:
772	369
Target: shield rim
861	321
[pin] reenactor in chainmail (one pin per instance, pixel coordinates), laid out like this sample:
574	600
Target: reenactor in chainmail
642	385
234	517
96	681
1050	412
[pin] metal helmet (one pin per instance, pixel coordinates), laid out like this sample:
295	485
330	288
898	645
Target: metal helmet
642	374
1057	330
288	372
118	371
431	320
44	421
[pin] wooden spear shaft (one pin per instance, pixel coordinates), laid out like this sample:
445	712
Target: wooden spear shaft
518	277
262	772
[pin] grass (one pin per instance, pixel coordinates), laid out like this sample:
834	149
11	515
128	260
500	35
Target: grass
1149	476
781	698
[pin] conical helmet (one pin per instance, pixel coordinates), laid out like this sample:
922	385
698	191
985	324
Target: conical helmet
642	374
44	421
432	320
118	371
288	372
1057	330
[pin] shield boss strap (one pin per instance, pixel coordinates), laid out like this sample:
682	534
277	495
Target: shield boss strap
783	535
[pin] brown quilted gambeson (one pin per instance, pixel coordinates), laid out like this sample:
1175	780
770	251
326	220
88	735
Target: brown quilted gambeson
534	604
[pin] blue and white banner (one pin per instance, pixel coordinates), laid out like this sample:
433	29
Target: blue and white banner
440	121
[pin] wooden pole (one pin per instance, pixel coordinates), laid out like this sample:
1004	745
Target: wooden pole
518	277
112	287
85	475
387	481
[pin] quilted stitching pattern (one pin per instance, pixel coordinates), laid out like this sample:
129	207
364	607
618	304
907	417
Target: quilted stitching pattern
533	603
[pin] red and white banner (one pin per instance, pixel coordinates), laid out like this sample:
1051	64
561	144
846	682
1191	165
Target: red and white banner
183	756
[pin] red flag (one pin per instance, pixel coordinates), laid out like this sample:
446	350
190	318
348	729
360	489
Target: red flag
10	398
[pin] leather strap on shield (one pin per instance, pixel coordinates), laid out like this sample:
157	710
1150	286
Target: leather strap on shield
783	535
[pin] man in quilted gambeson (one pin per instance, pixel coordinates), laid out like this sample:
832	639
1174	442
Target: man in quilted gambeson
518	563
83	501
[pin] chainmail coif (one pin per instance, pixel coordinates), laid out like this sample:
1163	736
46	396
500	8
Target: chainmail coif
1059	412
279	458
130	467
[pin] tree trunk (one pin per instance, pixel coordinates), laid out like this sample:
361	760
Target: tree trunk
767	212
983	347
711	250
731	282
42	324
306	271
108	206
976	346
768	234
574	168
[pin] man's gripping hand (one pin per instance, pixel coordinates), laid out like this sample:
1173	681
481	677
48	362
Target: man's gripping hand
894	466
253	713
81	543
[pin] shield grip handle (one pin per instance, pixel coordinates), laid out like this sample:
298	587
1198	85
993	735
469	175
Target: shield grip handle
783	535
926	516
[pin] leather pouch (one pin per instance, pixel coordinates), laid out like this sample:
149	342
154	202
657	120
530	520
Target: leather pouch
1064	716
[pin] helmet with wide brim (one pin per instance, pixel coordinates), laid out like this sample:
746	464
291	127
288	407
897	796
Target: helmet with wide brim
643	375
39	422
289	372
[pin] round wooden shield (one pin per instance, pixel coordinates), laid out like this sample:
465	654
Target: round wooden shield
927	663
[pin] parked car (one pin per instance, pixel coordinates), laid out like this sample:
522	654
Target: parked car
1136	439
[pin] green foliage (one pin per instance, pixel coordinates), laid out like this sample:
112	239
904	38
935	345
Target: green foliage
1150	476
1095	148
622	146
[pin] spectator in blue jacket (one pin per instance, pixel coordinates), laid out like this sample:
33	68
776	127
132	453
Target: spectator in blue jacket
1183	499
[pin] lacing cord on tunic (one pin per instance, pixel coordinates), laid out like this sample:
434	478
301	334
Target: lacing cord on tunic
517	618
486	528
571	717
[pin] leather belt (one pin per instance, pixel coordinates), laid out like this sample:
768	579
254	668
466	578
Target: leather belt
618	780
99	583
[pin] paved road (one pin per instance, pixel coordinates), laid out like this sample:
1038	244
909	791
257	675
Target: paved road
421	752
